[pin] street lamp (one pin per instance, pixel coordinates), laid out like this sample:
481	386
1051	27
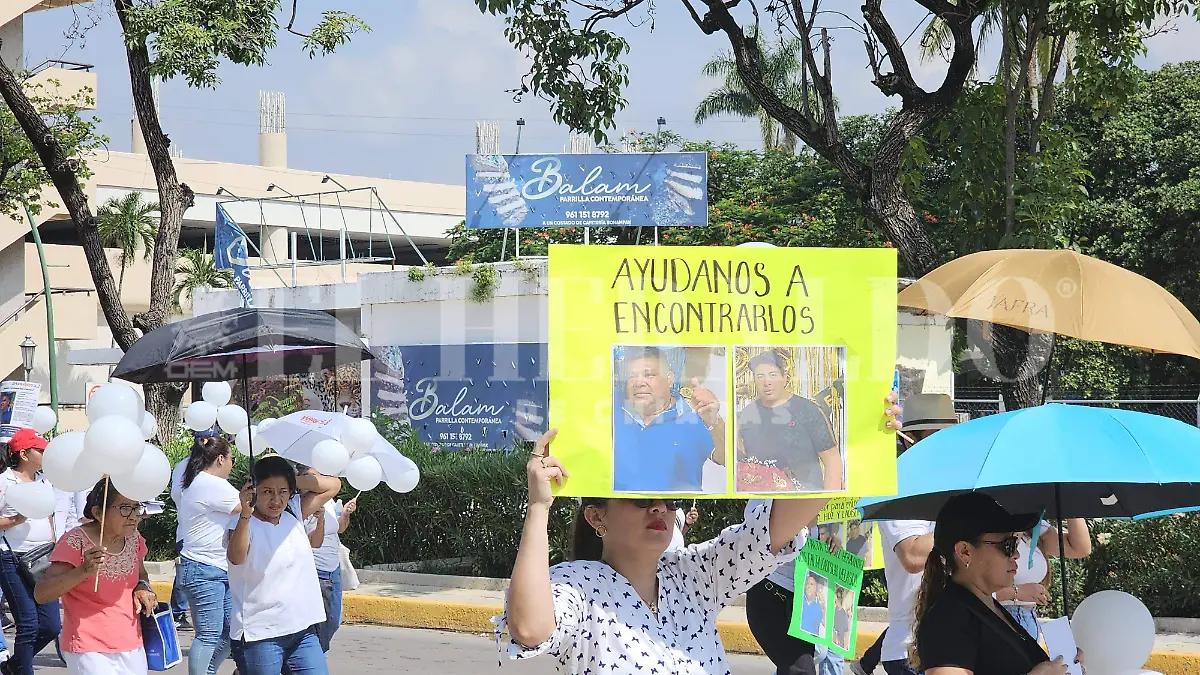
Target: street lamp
28	347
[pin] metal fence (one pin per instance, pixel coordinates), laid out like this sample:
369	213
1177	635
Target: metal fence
1184	410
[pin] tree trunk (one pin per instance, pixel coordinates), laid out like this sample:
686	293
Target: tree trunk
174	198
62	172
1018	362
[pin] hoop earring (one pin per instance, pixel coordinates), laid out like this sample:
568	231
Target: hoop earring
601	531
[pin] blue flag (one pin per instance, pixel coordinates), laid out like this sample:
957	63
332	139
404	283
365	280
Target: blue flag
230	254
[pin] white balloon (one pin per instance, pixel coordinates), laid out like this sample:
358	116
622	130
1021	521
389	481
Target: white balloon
32	500
216	393
148	478
62	466
364	473
330	457
44	419
1115	631
114	399
405	482
232	419
200	415
359	436
149	426
242	442
113	444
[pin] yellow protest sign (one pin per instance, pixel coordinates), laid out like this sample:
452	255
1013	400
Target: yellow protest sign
840	521
722	372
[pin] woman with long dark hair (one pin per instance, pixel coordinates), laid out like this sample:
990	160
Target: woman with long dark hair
37	623
959	626
103	585
277	603
620	602
206	500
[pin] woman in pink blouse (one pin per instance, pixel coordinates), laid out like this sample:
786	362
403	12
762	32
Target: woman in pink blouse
102	634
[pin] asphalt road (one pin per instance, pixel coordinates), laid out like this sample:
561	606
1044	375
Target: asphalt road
377	649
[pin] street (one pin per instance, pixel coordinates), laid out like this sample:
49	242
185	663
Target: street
377	649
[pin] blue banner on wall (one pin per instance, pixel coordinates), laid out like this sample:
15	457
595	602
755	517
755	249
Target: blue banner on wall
464	396
230	254
603	190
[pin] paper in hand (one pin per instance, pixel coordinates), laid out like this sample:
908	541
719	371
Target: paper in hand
1060	641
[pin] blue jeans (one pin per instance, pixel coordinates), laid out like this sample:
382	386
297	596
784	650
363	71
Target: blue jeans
206	588
37	625
331	594
828	663
900	667
1027	618
179	606
301	652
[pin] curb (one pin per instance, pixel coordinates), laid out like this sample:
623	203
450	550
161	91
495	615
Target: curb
473	618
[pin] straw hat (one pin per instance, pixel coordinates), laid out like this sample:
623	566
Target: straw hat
928	411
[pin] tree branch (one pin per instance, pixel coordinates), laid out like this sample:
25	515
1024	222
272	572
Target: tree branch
900	80
59	167
599	12
1047	102
292	21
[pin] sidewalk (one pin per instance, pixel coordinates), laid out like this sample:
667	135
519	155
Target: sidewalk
467	604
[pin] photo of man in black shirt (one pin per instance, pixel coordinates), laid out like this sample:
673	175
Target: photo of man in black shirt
788	431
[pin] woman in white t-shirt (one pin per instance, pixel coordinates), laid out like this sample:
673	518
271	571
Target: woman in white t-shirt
37	624
206	500
327	553
1031	586
277	604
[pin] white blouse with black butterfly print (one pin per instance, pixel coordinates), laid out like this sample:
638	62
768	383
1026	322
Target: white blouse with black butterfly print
604	627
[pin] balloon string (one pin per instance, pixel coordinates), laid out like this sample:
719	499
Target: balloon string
103	513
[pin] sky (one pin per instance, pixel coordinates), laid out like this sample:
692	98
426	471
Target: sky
402	101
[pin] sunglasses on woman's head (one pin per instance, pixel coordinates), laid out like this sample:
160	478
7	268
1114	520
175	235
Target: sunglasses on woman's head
647	503
1007	545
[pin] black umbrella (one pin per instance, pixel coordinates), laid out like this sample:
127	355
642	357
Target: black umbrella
238	344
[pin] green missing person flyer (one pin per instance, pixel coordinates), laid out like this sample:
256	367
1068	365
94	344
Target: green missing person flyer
825	608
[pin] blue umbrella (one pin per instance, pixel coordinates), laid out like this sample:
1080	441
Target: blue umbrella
1072	461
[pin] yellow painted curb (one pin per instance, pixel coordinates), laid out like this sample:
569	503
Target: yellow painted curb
471	618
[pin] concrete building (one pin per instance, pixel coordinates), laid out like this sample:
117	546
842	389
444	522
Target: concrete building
311	228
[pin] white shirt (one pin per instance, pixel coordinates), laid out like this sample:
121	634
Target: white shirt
901	586
177	493
329	556
677	533
602	625
784	575
204	509
1027	574
31	533
69	509
275	590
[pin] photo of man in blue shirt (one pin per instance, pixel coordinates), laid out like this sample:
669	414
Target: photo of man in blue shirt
661	440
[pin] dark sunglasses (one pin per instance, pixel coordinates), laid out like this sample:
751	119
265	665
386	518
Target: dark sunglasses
1007	545
647	503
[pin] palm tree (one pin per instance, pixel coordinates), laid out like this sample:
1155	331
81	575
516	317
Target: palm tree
782	71
195	269
125	224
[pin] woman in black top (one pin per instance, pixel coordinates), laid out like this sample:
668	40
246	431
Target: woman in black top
960	629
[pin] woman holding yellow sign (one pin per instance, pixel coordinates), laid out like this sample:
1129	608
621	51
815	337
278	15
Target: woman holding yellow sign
621	605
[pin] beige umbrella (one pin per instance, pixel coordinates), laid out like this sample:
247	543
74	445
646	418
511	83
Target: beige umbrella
1061	292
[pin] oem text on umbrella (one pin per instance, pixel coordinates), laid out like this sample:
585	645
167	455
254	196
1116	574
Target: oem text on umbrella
239	344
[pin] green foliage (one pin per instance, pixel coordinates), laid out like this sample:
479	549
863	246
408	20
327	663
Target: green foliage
484	280
579	69
126	224
195	269
22	176
416	274
190	38
334	30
